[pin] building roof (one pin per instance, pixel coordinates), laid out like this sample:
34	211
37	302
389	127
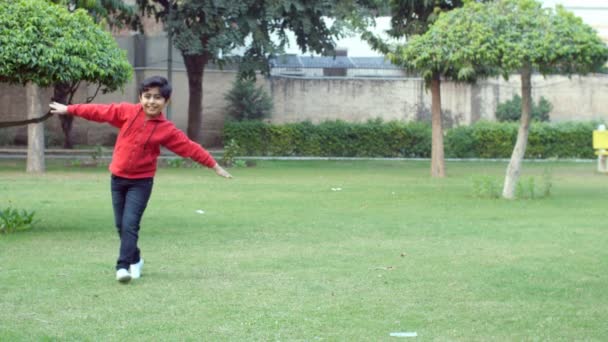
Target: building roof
295	61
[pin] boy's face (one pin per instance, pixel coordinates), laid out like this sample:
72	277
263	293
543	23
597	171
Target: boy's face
152	101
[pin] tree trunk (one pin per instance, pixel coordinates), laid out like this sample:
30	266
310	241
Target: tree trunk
195	68
514	168
437	156
35	132
61	92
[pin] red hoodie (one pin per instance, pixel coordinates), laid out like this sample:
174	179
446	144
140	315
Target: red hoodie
139	140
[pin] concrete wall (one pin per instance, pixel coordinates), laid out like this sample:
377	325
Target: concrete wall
351	99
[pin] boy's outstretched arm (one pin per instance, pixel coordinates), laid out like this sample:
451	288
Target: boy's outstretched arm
114	114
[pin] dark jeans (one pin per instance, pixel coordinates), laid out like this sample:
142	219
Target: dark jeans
129	199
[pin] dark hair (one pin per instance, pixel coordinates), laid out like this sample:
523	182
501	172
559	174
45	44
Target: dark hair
156	82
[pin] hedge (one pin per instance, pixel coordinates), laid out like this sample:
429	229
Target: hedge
411	140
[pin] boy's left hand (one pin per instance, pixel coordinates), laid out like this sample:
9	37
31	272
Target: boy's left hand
221	172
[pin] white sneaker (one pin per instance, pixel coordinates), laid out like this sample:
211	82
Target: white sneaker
136	269
123	276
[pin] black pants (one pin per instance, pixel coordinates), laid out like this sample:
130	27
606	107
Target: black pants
129	199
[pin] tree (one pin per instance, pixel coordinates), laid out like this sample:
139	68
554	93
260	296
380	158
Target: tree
247	102
44	44
411	18
114	13
502	38
531	39
208	31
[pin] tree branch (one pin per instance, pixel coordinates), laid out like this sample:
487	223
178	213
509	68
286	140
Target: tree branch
6	124
91	98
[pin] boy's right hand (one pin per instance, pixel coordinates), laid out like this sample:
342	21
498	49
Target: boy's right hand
58	108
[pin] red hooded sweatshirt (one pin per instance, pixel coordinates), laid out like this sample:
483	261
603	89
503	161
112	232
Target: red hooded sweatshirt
139	140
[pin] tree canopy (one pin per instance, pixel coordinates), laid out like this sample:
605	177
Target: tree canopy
45	44
457	46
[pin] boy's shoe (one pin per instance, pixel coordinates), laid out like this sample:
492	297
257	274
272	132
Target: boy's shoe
136	269
123	276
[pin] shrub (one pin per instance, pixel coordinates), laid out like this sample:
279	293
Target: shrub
246	102
511	110
486	187
459	142
12	220
7	135
408	140
231	150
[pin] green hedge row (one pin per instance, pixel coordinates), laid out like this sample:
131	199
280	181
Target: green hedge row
397	139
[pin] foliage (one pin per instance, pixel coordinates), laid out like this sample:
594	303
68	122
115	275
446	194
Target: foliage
175	162
231	150
413	17
331	139
501	37
409	18
46	44
260	27
528	188
397	139
8	136
511	110
550	41
457	46
114	13
486	187
179	162
248	102
12	220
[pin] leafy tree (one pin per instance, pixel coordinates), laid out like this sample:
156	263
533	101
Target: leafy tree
530	38
44	44
208	31
114	13
248	102
502	38
431	47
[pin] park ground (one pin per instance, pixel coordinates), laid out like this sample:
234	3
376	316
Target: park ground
312	251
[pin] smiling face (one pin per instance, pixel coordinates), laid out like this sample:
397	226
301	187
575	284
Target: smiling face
153	102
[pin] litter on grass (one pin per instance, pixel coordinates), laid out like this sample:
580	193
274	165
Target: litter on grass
404	334
200	211
336	189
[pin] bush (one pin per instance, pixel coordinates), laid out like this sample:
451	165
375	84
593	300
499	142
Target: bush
12	220
331	139
246	102
231	150
408	140
511	110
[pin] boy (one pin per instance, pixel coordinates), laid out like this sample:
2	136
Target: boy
143	129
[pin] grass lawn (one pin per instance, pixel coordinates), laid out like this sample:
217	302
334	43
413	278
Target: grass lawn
279	255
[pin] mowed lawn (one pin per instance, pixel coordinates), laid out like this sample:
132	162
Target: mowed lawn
311	251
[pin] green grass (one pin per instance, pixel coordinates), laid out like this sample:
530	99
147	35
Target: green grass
278	255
